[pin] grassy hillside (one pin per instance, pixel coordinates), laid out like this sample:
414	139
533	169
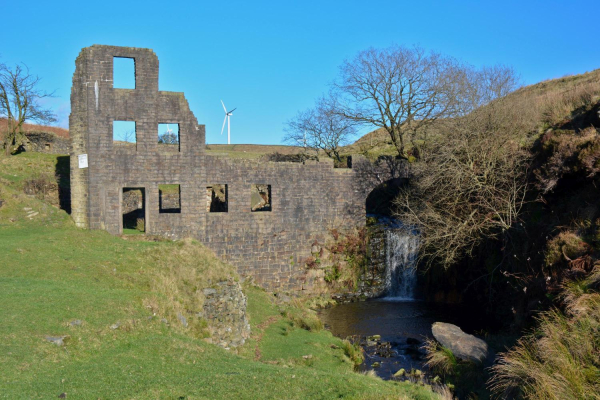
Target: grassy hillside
249	150
108	299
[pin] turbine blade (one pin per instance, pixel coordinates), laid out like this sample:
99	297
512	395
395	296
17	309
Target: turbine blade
223	124
224	106
232	110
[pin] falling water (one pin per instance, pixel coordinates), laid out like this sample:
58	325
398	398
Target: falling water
401	254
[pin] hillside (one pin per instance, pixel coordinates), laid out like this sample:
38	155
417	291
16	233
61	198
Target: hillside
28	128
90	315
543	104
250	150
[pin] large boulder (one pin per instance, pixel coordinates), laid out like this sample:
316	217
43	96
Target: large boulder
464	346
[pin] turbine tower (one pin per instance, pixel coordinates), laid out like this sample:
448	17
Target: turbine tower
228	115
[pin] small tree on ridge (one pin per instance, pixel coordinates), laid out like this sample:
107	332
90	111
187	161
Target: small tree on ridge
20	102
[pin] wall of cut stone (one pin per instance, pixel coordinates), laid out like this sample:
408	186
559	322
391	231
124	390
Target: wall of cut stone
269	246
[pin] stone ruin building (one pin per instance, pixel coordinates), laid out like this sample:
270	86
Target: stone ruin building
260	216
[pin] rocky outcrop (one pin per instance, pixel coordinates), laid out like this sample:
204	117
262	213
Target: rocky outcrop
464	346
225	311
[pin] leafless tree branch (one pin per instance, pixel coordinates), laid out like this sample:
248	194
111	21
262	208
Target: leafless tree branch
20	102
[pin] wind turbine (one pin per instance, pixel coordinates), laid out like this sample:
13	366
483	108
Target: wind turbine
228	114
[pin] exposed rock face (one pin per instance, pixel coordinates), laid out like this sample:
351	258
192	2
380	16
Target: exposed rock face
372	282
463	345
225	310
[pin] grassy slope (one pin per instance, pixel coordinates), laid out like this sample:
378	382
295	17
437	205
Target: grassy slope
52	273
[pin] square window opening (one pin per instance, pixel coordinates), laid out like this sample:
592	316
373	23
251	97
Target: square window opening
169	198
260	197
134	210
168	136
124	134
123	73
216	198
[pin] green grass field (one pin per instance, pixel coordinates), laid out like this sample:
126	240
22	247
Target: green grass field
94	290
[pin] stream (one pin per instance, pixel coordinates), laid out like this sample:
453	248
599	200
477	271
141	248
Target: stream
400	318
402	324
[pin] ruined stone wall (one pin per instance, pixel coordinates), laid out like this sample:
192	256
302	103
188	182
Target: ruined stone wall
95	104
46	142
225	311
269	246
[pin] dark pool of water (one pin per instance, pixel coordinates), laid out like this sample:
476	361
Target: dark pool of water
396	322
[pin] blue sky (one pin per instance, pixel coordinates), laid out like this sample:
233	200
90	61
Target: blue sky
270	59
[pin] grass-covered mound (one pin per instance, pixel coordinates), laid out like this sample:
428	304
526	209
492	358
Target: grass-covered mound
114	304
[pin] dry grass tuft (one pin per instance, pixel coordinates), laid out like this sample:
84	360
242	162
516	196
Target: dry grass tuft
561	360
305	319
439	358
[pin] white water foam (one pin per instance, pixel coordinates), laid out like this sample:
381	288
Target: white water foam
401	273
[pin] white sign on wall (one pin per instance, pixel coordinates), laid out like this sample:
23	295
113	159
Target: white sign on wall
83	161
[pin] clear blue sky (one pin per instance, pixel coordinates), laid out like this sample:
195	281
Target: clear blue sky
272	58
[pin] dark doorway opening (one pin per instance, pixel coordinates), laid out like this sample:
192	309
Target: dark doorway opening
133	207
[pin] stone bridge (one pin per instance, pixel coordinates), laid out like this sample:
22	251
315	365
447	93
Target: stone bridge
260	216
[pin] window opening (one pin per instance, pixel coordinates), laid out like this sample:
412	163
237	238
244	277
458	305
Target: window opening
168	136
124	134
260	197
123	73
216	198
169	197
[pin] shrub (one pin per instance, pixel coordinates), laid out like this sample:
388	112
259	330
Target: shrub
40	186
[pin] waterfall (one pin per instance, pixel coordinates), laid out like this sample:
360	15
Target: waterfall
401	254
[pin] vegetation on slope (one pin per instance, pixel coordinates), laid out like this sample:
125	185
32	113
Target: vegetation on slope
561	358
113	303
547	237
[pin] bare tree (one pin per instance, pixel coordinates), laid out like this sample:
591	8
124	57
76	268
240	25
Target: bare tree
20	102
320	128
168	138
403	90
129	136
488	84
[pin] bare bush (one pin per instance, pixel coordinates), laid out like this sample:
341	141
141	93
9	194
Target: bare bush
470	185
